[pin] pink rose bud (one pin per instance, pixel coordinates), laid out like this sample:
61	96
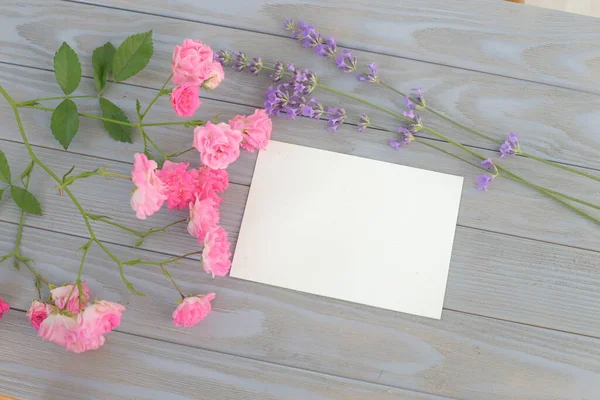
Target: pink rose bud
58	328
256	129
60	296
192	310
37	313
204	215
219	145
214	75
149	194
185	99
216	256
191	62
4	307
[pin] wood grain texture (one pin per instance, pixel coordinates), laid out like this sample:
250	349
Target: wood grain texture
132	367
492	36
462	355
496	105
527	219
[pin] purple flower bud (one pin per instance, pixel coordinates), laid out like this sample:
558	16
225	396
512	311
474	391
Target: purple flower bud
255	65
396	144
241	61
483	182
372	76
488	163
510	146
363	122
289	24
277	73
327	49
407	135
337	116
420	100
346	61
223	57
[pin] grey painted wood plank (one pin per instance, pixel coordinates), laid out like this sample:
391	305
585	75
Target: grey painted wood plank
131	367
492	36
516	210
554	123
461	356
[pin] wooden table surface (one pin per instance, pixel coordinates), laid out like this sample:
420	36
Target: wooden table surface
522	309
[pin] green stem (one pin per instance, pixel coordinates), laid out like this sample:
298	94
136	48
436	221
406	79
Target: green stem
181	152
115	224
160	93
34	158
168	275
495	141
55	98
146	137
91	116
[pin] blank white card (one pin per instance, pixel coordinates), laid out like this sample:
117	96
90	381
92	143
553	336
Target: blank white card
349	228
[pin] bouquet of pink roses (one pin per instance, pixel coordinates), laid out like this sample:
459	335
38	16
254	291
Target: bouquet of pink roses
67	317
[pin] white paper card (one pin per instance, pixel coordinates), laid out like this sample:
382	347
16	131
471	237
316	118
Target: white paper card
349	228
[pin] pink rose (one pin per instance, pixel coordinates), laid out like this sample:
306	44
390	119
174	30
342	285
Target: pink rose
149	195
58	328
60	296
209	182
80	340
4	307
256	129
214	75
216	255
204	215
179	182
37	313
185	99
101	317
219	145
192	310
190	62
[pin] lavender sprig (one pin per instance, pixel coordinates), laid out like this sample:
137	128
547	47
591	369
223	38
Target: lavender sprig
420	100
346	61
255	66
363	122
510	146
371	77
241	61
337	116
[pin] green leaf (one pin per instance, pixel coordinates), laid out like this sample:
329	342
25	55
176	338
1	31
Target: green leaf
121	133
25	200
138	106
68	173
65	122
2	193
67	68
132	56
102	61
4	168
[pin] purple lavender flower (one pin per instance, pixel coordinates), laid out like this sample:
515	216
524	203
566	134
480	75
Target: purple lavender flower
417	125
396	144
310	37
483	182
285	98
419	97
407	135
337	116
409	108
241	61
346	61
510	146
223	57
327	48
372	76
278	70
363	122
305	81
313	109
488	163
255	65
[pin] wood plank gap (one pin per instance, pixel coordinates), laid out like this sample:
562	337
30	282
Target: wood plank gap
340	44
347	122
263	362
